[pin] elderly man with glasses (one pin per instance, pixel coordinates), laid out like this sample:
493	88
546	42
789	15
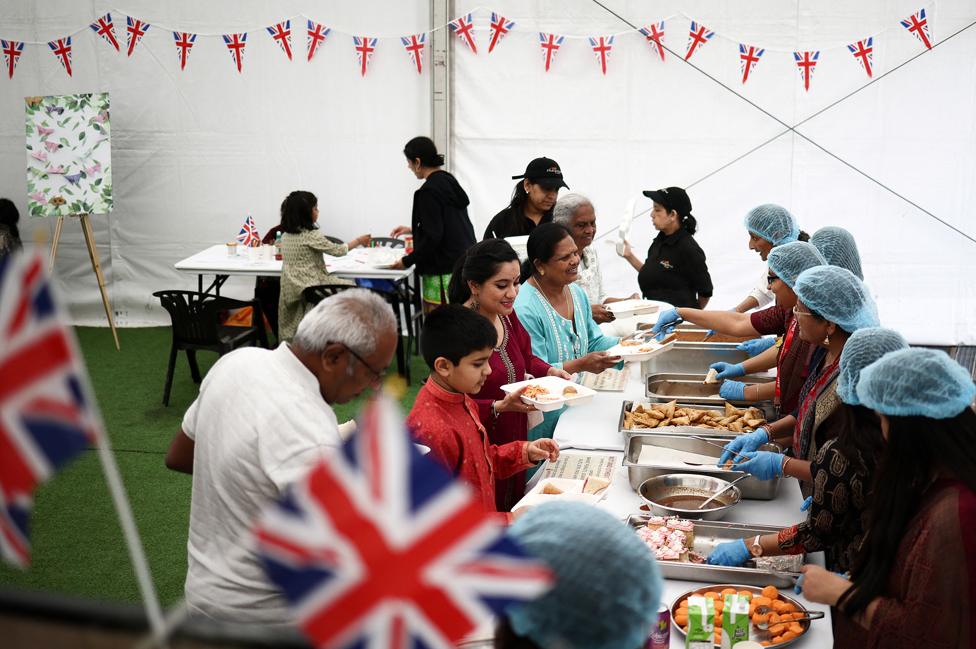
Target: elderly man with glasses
261	420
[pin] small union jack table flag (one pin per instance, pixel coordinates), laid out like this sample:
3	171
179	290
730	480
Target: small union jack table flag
249	236
46	417
379	546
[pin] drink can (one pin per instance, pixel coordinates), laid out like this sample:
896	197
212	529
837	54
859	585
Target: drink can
408	243
660	637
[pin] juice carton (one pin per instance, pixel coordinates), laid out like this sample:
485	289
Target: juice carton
735	620
701	623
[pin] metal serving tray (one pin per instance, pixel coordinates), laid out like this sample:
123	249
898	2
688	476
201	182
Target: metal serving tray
723	436
709	534
751	488
692	358
691	388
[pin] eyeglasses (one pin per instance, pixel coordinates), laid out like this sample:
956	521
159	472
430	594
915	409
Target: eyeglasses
797	312
377	376
770	279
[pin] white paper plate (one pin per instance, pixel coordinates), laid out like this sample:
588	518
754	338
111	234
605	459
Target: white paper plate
635	353
628	308
572	491
555	385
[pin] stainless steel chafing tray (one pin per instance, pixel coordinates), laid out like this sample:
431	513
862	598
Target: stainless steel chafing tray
691	388
709	534
723	435
751	488
692	358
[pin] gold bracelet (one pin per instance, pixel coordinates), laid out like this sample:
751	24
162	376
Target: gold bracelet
785	463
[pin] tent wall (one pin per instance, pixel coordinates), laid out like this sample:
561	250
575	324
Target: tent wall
196	151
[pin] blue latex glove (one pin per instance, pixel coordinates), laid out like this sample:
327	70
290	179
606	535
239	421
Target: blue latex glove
806	503
762	464
727	370
743	444
732	553
666	322
756	346
732	390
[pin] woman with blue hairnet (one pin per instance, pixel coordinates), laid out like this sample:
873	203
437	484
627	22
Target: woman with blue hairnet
607	584
831	305
790	358
838	247
914	581
842	471
769	226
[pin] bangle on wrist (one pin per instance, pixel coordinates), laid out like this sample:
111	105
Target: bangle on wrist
494	412
786	462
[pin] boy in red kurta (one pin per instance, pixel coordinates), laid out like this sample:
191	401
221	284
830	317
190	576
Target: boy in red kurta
456	343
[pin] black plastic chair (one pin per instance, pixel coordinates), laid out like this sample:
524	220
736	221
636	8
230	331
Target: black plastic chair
196	326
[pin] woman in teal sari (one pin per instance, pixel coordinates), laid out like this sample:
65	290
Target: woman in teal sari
556	312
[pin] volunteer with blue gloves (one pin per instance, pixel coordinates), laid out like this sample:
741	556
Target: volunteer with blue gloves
607	585
838	247
842	471
786	262
914	581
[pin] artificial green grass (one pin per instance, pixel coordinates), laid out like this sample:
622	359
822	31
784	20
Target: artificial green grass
78	547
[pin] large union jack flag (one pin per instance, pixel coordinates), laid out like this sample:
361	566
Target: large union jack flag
45	419
918	25
249	236
380	547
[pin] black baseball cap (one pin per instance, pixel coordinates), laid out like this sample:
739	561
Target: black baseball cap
545	172
672	198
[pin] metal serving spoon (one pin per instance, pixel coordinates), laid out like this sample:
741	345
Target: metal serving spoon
722	491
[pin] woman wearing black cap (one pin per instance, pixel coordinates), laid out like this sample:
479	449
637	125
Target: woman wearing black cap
675	271
441	229
532	200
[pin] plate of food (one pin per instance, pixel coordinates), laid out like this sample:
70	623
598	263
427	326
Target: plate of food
637	349
590	491
628	308
551	393
774	619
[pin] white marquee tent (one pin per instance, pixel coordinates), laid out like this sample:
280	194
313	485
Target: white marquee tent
195	151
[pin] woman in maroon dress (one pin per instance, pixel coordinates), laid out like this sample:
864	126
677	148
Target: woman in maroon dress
486	279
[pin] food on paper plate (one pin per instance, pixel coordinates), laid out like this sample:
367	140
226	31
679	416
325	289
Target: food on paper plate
631	343
657	415
533	391
551	490
569	391
595	484
712	376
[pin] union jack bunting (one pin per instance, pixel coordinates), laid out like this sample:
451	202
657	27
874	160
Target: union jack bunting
698	35
104	28
184	43
316	34
45	417
414	45
463	28
12	51
365	46
235	45
601	46
550	44
654	33
749	56
62	50
918	25
500	25
281	33
135	29
380	547
805	63
249	236
863	51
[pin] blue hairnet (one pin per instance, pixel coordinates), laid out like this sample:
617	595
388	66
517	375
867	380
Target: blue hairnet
773	223
838	247
916	382
608	585
863	348
791	259
837	295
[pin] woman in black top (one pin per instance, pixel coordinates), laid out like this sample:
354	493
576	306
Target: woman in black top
532	200
675	271
442	231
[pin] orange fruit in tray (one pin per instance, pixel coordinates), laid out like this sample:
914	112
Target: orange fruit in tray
746	593
681	619
771	592
760	618
789	635
719	606
712	595
765	643
728	591
780	606
684	603
796	628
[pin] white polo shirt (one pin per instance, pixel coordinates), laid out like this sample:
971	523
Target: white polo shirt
259	423
763	295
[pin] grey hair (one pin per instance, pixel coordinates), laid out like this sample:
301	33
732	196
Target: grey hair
566	207
354	317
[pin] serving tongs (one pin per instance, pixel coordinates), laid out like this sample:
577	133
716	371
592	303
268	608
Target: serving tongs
643	332
764	626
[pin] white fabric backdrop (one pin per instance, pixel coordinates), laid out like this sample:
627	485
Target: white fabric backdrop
194	152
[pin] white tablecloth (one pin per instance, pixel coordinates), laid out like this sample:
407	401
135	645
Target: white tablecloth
593	426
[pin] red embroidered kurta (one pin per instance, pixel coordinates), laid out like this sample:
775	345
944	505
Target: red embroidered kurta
930	600
448	423
509	364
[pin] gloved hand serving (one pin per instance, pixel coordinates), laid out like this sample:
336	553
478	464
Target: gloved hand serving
731	553
666	322
762	464
732	390
743	444
727	370
756	346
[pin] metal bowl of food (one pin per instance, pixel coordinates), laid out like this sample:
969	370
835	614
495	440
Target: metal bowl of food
680	494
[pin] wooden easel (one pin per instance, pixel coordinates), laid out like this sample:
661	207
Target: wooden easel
96	266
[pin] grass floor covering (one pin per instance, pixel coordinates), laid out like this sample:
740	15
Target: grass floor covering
78	548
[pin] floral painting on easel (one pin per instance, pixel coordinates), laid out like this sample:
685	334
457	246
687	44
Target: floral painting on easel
69	155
